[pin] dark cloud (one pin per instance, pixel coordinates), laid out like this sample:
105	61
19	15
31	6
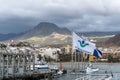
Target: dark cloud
15	25
78	15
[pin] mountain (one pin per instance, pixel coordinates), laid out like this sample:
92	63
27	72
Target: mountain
46	33
44	29
41	30
94	34
114	41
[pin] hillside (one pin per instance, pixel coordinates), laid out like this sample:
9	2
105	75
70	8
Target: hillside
114	41
99	34
53	39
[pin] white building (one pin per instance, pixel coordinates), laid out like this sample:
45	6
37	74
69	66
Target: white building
50	52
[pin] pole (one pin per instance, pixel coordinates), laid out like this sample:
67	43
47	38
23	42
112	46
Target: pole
73	67
75	58
78	60
82	61
72	56
72	60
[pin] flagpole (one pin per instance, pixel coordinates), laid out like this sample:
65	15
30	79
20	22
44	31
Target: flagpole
72	60
82	61
78	61
75	59
72	54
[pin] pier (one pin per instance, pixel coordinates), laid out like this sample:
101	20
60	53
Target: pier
17	65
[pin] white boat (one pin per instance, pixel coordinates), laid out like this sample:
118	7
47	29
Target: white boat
60	72
42	67
90	69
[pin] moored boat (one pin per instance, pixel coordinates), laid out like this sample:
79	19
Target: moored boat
90	69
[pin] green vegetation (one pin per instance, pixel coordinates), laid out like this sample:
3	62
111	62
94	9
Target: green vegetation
62	57
21	44
2	45
113	59
39	57
65	57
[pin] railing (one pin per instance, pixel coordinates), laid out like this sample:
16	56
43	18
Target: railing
100	77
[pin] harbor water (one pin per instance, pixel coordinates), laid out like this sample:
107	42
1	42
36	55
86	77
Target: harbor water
109	67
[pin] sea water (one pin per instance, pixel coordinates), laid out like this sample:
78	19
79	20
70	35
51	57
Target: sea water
109	67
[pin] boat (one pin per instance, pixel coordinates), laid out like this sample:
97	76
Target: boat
60	70
90	69
42	67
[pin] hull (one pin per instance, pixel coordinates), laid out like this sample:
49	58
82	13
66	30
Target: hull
91	70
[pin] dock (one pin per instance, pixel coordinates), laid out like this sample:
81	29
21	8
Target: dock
17	65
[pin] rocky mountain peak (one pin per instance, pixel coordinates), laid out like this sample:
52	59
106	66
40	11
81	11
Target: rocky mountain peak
46	25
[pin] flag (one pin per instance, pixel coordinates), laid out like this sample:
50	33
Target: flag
97	53
85	46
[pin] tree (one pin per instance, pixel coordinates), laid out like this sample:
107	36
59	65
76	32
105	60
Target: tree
2	45
110	58
39	57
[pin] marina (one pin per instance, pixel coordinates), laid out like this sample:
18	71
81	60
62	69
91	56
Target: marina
18	66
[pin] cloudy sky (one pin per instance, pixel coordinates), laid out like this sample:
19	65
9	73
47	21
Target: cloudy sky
78	15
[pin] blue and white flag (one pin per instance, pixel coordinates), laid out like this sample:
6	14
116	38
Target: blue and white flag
97	53
85	46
